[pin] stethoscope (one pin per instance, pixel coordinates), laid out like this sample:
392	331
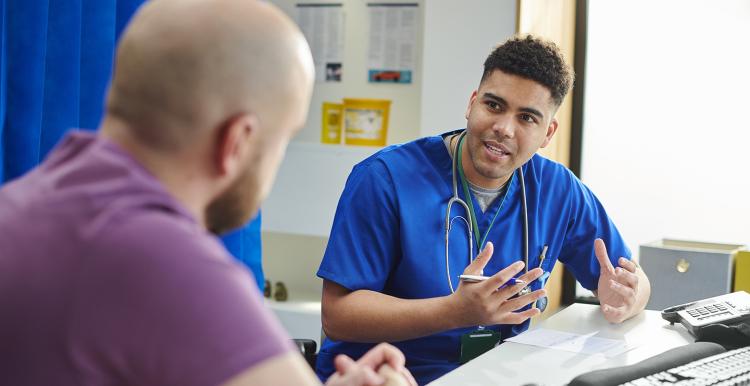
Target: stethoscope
457	200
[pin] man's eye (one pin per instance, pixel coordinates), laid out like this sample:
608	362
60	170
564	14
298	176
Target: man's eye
528	118
493	105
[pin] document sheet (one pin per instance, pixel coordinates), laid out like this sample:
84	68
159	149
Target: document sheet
566	341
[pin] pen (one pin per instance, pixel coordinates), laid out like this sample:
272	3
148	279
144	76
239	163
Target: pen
478	278
542	256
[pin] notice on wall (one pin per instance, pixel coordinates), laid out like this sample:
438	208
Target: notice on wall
392	42
323	26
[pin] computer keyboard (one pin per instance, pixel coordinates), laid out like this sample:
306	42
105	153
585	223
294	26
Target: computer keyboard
725	369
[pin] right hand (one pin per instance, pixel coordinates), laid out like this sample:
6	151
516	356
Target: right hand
382	365
485	303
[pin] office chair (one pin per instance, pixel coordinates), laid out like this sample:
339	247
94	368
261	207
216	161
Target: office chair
308	348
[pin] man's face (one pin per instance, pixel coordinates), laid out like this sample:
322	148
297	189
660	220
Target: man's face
241	201
508	119
232	209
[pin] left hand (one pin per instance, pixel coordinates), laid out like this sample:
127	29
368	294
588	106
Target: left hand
382	365
618	287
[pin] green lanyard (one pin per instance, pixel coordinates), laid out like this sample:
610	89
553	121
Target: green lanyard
467	195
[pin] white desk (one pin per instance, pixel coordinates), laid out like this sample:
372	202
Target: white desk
301	319
517	364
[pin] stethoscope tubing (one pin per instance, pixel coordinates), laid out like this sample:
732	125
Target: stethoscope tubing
449	221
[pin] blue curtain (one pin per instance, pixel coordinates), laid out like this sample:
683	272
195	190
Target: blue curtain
55	64
245	245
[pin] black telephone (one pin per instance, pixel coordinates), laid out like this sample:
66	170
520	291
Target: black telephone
715	318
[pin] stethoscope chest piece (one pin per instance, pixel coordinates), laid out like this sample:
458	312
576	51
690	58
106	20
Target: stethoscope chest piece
541	303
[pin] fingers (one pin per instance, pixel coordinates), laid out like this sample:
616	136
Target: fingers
388	360
626	293
601	255
383	353
614	314
477	266
627	278
627	264
349	372
391	376
502	277
623	290
521	301
505	314
530	276
520	317
342	363
409	378
507	291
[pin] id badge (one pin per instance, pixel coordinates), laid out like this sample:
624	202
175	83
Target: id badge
476	343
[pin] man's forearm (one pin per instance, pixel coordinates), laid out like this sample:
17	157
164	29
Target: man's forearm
369	316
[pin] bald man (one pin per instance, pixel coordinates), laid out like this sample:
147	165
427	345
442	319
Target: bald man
110	273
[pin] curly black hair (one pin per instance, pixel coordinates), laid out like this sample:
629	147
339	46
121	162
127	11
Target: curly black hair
535	59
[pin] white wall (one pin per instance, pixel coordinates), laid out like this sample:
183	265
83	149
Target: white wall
458	36
666	131
312	175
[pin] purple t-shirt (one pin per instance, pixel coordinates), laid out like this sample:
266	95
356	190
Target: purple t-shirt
105	279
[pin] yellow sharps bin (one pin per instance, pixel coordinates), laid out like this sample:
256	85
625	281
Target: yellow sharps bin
331	123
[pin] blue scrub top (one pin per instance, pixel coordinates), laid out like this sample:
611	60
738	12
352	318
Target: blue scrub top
388	236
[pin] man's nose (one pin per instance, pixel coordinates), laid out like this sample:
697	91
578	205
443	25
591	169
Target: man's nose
503	126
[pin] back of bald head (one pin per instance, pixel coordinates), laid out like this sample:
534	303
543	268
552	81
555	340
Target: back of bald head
184	67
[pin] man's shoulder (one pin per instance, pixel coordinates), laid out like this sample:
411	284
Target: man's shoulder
154	239
556	182
548	171
541	162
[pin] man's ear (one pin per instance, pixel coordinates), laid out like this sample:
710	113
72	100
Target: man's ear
550	132
234	142
471	102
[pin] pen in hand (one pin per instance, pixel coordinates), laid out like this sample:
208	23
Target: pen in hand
478	278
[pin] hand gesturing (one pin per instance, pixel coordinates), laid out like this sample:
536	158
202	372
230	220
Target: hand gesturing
618	287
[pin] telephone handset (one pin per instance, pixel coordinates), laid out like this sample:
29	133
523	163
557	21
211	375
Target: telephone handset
699	316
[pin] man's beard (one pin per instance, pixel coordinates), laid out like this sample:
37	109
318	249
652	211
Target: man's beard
234	207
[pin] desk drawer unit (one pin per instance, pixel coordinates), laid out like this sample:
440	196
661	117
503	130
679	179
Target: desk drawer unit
683	271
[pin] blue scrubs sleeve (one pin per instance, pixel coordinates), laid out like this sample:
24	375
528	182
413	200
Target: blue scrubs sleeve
589	221
363	247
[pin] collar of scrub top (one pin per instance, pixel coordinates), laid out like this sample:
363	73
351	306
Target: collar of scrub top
471	223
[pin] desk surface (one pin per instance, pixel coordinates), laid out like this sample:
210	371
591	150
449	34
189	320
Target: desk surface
517	364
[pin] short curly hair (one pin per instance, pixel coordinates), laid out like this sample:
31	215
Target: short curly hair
535	59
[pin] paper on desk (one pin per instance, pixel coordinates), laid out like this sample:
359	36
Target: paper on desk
584	344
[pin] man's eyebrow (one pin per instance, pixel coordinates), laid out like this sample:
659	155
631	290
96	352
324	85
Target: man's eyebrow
532	111
499	100
495	98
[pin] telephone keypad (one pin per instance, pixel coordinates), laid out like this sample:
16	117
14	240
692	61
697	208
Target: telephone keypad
709	311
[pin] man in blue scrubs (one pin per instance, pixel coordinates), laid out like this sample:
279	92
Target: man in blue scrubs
385	270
